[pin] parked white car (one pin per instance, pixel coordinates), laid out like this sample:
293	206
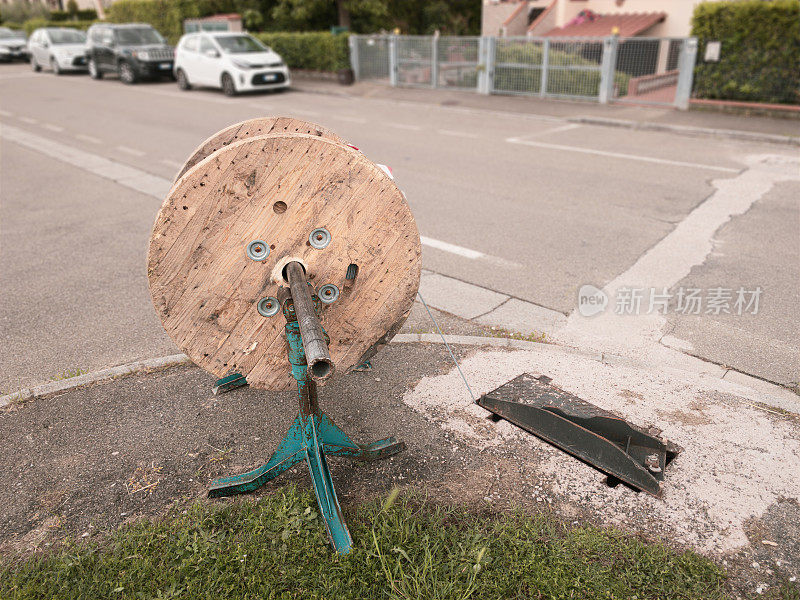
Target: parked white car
12	44
57	48
234	62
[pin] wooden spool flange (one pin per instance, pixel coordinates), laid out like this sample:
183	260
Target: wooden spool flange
279	188
252	128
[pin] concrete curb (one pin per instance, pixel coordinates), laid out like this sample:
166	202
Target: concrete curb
759	385
749	136
89	378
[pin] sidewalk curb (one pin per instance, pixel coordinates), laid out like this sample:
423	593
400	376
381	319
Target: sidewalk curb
749	136
754	384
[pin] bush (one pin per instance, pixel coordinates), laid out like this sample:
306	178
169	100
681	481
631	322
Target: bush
32	24
759	55
166	16
320	51
88	14
20	11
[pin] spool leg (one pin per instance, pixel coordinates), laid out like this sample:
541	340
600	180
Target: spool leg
289	452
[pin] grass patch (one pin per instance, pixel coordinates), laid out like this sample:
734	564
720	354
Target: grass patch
69	374
404	549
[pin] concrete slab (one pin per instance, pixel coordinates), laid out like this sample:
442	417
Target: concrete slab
457	297
525	317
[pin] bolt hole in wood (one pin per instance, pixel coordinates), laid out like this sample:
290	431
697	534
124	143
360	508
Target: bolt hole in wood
279	207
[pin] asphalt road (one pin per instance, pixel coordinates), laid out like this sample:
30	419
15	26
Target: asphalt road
536	207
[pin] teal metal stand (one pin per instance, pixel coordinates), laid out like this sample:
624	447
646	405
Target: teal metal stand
311	437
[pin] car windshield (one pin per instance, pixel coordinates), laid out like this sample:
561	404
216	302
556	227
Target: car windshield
138	36
7	34
239	44
66	36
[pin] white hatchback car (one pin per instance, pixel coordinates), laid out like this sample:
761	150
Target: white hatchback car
59	48
234	62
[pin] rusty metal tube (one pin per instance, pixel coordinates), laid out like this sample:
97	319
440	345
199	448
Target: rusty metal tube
320	365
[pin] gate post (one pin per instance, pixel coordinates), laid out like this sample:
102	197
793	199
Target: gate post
545	66
606	91
434	61
393	60
352	42
485	47
686	61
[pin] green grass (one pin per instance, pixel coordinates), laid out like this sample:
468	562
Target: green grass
409	548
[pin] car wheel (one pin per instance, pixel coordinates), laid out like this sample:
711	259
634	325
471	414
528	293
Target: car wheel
126	73
228	86
35	65
183	81
55	67
94	72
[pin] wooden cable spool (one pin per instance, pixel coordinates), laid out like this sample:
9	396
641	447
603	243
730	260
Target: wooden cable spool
275	190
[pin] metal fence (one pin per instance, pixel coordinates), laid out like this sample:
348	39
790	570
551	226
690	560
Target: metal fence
610	69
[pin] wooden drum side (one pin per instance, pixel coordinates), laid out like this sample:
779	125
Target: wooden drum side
278	189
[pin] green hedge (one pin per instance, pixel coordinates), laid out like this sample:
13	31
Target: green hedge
320	51
88	14
33	24
165	15
759	55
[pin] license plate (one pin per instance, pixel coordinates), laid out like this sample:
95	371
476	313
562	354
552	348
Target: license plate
270	77
165	66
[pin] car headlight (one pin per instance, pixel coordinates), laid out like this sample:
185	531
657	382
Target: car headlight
241	65
141	54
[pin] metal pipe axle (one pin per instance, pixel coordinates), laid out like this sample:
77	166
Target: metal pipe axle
320	365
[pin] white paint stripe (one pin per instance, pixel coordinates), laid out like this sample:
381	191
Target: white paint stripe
660	161
405	127
452	248
51	127
462	134
171	163
127	176
349	119
28	120
549	131
131	151
87	138
5	113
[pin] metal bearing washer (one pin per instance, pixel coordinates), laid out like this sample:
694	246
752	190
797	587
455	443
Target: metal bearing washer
257	250
328	293
268	307
320	238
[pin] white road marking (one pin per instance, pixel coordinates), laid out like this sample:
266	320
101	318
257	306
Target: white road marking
650	159
405	127
131	151
87	138
452	248
5	113
171	163
51	127
462	134
120	173
549	131
28	120
349	119
671	260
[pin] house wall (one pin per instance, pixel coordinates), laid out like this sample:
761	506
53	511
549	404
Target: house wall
494	14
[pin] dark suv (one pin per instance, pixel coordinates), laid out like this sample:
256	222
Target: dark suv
134	51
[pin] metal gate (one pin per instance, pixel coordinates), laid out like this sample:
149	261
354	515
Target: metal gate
609	69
